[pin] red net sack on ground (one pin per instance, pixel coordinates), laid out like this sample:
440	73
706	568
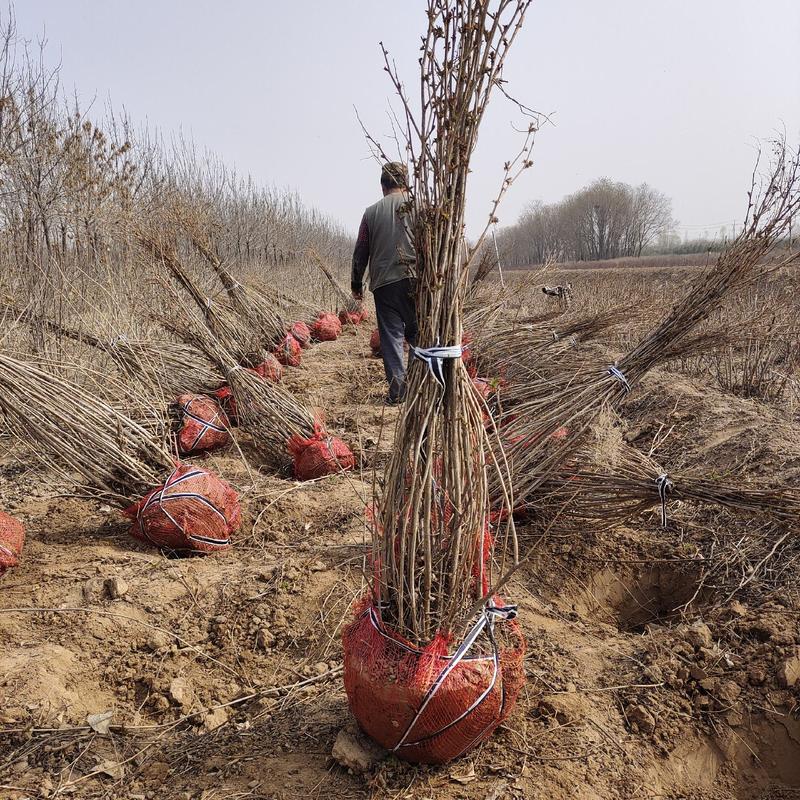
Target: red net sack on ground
12	538
422	704
270	369
194	511
353	317
224	396
288	352
349	317
302	333
375	343
326	328
319	455
204	425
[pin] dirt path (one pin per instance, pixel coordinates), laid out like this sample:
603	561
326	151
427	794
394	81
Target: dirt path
222	674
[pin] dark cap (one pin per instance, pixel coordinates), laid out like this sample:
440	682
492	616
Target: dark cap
394	175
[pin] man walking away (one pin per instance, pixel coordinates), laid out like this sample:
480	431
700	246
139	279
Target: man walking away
384	244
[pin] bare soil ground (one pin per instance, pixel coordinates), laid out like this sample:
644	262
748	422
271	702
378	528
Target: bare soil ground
647	678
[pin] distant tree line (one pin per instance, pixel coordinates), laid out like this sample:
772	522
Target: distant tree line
607	219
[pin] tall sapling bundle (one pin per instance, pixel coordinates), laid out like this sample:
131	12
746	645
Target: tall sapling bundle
573	400
352	311
284	431
430	671
175	506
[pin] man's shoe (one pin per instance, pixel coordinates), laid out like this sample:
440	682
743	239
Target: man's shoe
393	401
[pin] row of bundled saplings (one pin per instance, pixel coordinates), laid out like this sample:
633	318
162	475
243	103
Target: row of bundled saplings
218	366
496	426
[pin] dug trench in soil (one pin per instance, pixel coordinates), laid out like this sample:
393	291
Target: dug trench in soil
659	594
236	657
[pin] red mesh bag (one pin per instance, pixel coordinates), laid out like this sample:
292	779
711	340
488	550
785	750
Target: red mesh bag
288	352
204	425
12	538
319	455
194	511
422	704
270	369
224	396
326	328
375	343
353	317
302	333
349	317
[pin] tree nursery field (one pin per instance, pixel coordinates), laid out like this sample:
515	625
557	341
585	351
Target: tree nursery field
563	565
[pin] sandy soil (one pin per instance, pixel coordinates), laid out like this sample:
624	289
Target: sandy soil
222	675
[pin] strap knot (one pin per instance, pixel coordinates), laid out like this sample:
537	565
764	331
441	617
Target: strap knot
664	486
485	621
617	373
434	357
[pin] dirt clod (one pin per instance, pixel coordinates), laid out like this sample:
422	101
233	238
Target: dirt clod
115	587
356	752
181	692
699	635
265	639
789	670
215	719
640	718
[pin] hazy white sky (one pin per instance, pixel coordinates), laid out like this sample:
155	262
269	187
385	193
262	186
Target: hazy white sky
672	93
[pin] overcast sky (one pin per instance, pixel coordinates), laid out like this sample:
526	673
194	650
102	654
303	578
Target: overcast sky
673	94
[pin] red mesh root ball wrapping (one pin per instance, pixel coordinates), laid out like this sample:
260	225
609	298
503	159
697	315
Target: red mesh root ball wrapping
12	538
326	328
375	343
423	704
288	352
353	317
204	425
302	333
224	396
194	511
270	369
319	455
349	317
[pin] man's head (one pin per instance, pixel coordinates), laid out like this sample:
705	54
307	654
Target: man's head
394	176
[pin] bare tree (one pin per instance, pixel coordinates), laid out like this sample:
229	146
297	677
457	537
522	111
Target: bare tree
607	219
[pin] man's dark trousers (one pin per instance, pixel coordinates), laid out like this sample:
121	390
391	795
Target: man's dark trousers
397	320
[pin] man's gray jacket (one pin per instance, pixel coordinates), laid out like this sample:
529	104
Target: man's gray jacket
384	244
